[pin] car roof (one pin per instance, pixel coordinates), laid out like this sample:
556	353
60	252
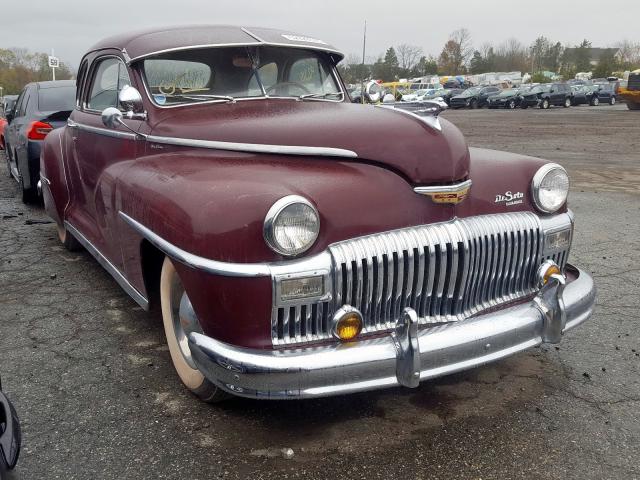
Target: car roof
144	43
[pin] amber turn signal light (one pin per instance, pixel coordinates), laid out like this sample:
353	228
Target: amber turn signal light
347	323
546	271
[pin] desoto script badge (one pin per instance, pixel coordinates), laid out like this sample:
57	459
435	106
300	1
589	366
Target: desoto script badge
510	198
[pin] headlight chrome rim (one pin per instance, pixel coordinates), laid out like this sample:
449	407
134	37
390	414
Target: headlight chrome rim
537	182
272	215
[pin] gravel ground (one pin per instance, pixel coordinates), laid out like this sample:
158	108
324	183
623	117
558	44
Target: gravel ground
91	378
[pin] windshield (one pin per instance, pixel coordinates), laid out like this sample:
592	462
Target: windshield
508	93
225	74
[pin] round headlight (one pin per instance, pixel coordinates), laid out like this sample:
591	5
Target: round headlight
291	226
550	187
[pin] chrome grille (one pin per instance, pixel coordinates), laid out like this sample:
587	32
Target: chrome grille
445	272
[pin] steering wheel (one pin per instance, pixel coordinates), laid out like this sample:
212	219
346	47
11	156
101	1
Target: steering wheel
287	84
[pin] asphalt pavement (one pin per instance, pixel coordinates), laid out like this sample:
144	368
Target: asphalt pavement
91	377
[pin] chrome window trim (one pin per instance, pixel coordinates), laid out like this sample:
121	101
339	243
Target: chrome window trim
138	297
90	77
537	180
455	188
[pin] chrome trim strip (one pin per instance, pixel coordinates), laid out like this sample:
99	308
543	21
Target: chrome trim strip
102	131
200	263
458	187
254	147
138	297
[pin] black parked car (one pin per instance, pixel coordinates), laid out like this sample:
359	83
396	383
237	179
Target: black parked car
474	97
509	98
584	95
450	93
546	95
606	93
40	108
10	436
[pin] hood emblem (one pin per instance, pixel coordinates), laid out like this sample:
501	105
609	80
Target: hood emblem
510	198
452	194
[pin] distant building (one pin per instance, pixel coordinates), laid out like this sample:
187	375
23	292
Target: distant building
595	54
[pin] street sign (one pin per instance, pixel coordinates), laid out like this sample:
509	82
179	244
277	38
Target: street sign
54	62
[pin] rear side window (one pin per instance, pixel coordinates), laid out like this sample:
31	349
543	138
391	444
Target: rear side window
56	99
110	77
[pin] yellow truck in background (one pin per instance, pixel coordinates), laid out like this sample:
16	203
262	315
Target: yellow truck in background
631	91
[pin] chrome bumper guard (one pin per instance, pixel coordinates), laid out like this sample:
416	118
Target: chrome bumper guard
405	357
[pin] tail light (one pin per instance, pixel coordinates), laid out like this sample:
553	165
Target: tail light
38	130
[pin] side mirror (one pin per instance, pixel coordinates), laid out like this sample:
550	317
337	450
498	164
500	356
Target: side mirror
10	436
131	101
112	117
372	92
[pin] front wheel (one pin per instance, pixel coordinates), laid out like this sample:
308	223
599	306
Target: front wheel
595	101
544	104
567	102
612	101
177	325
474	104
512	104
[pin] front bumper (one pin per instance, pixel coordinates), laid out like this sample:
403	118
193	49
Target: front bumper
405	357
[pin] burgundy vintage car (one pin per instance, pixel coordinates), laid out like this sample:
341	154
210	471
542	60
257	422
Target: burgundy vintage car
300	245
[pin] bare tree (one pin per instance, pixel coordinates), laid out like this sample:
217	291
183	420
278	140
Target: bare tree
462	38
629	53
408	55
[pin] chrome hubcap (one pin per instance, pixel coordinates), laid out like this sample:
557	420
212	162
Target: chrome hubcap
184	320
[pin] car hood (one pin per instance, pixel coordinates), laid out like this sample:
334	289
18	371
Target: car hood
389	138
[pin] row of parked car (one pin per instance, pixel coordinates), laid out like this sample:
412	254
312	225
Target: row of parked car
542	96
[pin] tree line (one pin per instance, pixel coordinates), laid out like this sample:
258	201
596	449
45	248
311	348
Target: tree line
18	67
459	57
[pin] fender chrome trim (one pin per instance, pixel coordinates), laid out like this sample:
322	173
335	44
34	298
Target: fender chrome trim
254	147
189	259
138	297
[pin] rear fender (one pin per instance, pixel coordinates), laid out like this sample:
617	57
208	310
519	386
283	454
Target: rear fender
55	189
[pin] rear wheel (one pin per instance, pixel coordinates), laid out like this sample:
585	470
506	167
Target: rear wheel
567	102
612	101
177	326
595	101
474	104
29	195
544	104
512	104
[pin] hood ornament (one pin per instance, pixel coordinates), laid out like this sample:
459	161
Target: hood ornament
452	194
427	111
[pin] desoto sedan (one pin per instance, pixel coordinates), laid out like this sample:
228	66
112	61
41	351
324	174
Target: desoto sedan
300	245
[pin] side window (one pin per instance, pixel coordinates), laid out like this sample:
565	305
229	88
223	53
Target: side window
18	104
110	77
80	82
25	102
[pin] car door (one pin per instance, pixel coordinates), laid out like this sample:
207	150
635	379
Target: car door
97	152
16	137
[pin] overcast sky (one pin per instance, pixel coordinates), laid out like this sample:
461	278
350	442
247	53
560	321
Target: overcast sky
72	26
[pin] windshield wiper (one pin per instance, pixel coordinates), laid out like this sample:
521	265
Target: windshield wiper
321	95
204	96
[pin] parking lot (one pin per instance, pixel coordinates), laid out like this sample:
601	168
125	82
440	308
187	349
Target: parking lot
91	377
